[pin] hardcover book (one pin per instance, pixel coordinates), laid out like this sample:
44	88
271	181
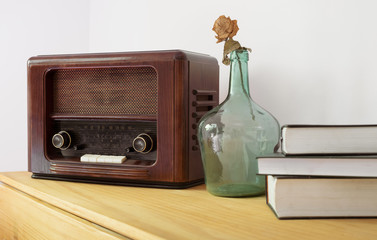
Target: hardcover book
292	197
343	166
329	139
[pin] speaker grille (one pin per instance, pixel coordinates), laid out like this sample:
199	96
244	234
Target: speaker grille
104	91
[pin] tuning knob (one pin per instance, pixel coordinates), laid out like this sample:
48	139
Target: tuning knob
61	140
143	143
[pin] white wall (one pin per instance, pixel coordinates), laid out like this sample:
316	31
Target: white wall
312	61
29	28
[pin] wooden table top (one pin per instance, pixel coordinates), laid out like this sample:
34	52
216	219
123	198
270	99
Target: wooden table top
150	213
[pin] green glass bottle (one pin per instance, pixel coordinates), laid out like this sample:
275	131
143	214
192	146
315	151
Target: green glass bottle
233	134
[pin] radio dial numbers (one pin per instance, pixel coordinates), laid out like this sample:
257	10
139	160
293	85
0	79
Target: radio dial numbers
143	143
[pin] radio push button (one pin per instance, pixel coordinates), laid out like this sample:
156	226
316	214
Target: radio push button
95	158
61	140
143	143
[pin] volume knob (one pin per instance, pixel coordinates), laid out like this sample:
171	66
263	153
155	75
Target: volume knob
143	143
61	140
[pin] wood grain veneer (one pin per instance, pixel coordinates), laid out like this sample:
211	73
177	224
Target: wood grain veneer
149	213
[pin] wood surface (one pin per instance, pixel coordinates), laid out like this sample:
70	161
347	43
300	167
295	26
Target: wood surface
148	213
25	217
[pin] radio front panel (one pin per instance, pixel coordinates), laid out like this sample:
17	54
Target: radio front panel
77	99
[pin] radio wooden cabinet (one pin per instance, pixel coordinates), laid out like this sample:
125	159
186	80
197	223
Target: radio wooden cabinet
120	118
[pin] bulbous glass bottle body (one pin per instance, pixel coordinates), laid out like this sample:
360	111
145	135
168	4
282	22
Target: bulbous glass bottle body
234	134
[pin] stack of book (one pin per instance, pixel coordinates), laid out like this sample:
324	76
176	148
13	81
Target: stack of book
323	171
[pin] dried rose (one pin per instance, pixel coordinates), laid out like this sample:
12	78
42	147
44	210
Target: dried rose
225	28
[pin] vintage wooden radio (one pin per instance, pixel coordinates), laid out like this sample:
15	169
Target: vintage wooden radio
119	118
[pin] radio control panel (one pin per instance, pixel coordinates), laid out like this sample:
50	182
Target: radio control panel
76	138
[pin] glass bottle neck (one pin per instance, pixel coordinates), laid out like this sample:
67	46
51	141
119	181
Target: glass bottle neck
239	76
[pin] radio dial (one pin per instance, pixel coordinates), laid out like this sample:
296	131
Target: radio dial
143	143
61	140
